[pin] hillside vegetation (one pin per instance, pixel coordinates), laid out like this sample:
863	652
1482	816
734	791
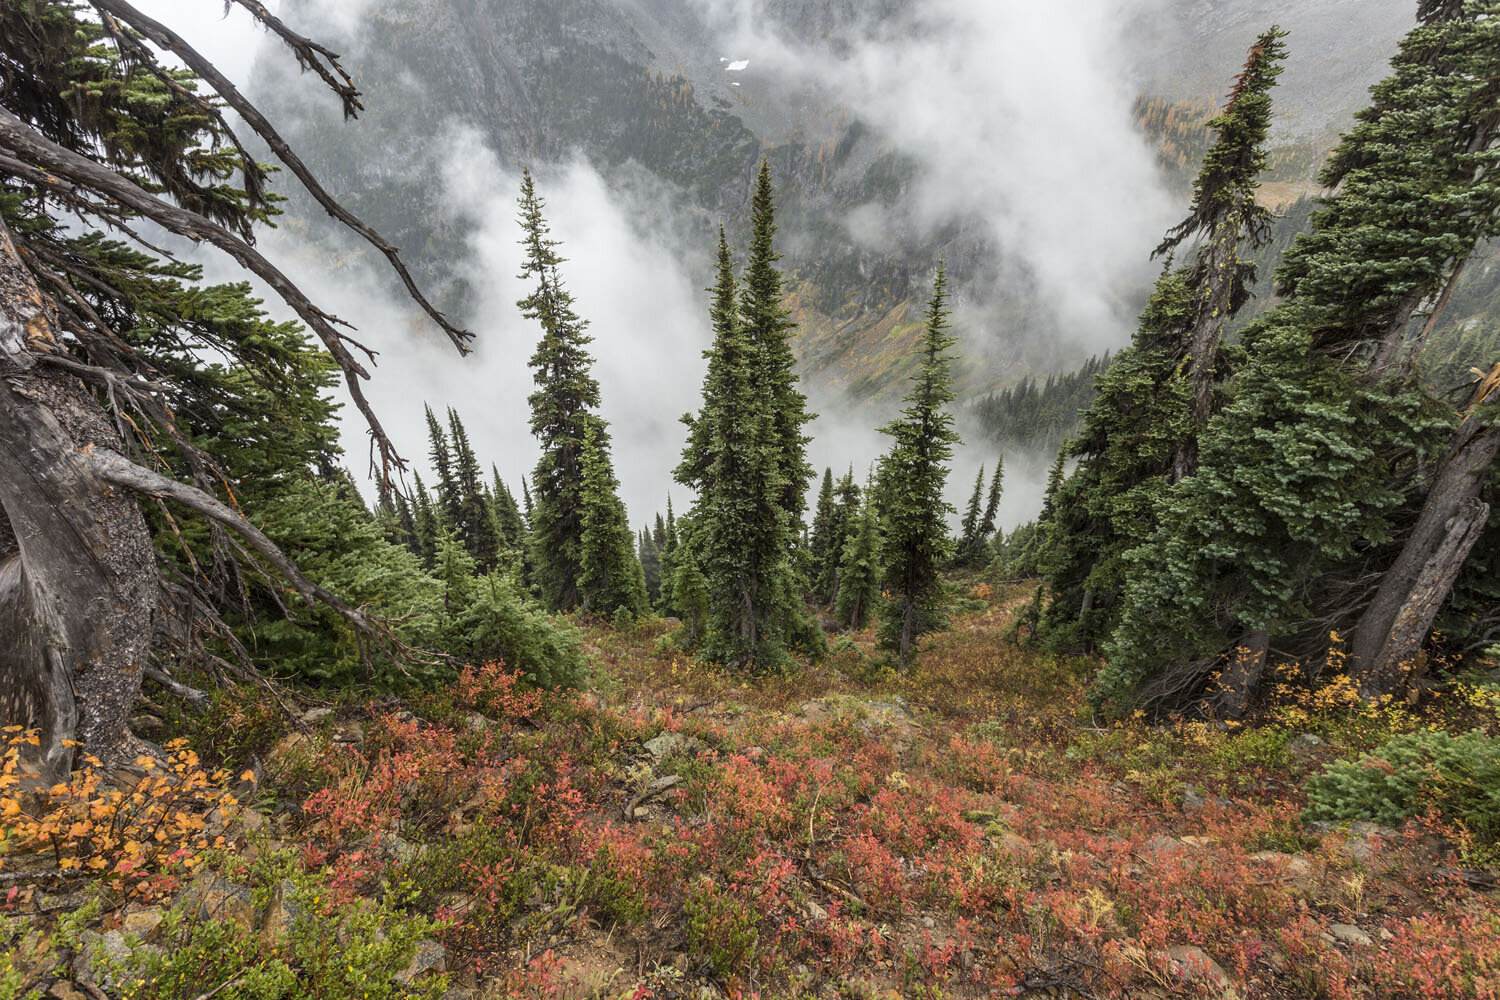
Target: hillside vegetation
845	832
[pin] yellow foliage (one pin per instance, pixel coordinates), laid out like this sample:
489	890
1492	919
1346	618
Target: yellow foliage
141	836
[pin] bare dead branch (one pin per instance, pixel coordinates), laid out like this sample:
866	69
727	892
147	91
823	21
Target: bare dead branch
119	470
56	167
310	55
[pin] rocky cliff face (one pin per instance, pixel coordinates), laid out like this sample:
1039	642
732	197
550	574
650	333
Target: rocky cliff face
643	91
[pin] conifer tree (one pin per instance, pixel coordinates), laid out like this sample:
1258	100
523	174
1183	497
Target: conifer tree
428	531
526	508
1315	469
562	411
659	532
448	502
1140	435
406	524
508	520
650	557
820	542
1230	221
859	569
968	539
1056	474
742	535
845	510
911	481
767	329
690	595
476	523
610	577
992	505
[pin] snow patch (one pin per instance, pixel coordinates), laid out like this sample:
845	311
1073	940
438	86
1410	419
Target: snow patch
738	66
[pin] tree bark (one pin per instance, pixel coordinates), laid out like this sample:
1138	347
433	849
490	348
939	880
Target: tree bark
1433	553
78	588
908	634
1413	623
1214	305
1240	679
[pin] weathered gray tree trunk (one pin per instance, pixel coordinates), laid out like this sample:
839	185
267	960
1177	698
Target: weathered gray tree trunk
1241	677
78	585
1394	626
1222	262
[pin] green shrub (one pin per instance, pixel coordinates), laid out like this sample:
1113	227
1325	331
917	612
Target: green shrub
333	946
1411	773
720	928
502	623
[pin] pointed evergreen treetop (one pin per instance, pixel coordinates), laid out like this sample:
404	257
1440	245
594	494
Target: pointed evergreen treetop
768	327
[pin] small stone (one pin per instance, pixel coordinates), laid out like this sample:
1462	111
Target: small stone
142	923
1351	935
65	991
1165	845
816	710
281	916
313	716
213	898
292	745
1306	745
816	913
928	923
1193	799
430	957
1193	965
664	744
478	723
112	953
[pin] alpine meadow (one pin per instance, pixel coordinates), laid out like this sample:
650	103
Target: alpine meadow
730	499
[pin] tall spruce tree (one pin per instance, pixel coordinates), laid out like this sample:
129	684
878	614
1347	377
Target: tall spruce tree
1232	225
650	557
428	531
508	520
1314	474
742	534
859	569
690	593
966	551
1140	434
476	523
987	525
562	410
845	510
911	481
820	542
768	328
610	578
448	502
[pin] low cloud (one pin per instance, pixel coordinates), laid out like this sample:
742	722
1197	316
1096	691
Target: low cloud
1020	115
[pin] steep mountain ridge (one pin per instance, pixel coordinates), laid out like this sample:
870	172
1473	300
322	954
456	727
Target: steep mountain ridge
643	90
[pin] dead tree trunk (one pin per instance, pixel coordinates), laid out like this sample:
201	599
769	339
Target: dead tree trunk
1221	262
78	586
1241	678
1424	573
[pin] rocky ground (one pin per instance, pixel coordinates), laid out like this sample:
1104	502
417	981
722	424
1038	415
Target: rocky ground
680	832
